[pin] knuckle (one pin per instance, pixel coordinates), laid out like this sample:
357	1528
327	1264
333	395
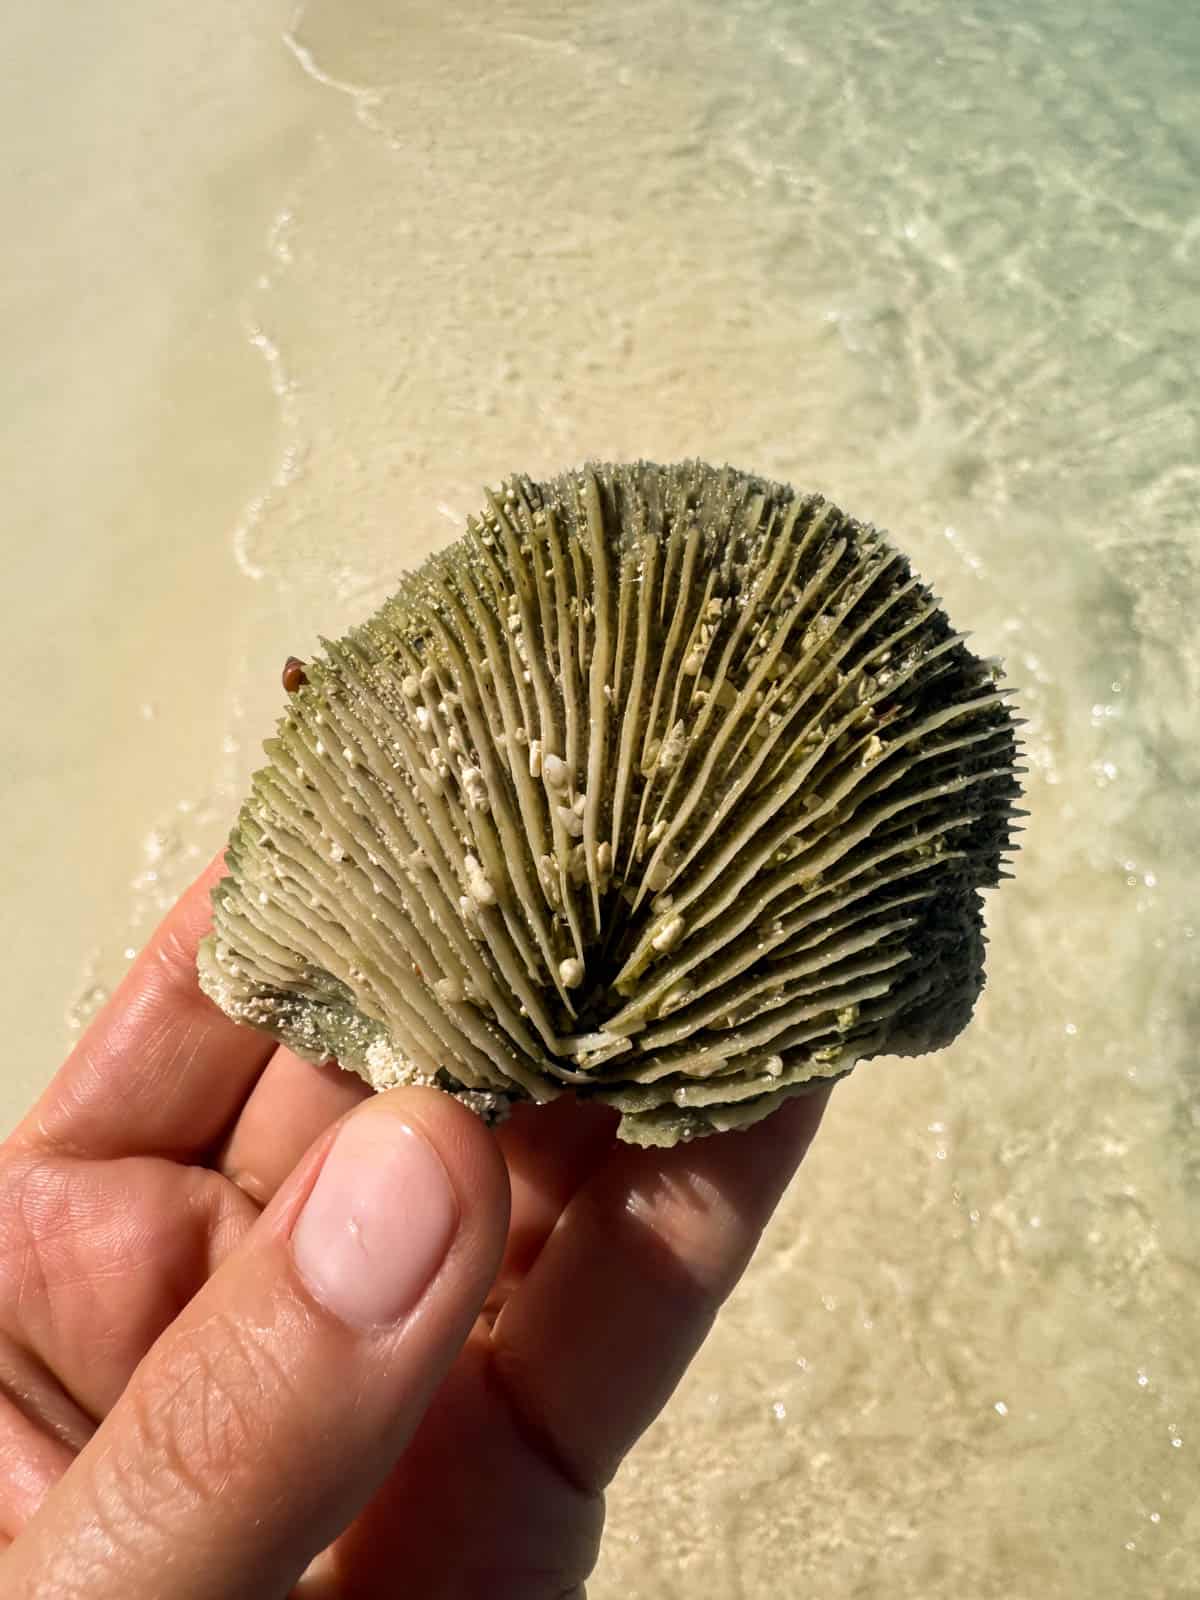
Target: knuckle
567	1477
201	1418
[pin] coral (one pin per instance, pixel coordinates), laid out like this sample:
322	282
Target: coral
668	786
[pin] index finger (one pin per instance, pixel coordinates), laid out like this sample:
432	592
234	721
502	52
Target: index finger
161	1071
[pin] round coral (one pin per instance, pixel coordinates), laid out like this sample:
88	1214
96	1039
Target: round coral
667	786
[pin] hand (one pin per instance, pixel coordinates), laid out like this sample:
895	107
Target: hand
258	1338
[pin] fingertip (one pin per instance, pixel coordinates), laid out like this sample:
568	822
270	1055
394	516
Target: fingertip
470	1154
707	1202
174	942
784	1136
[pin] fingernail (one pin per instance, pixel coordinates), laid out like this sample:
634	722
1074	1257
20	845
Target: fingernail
378	1223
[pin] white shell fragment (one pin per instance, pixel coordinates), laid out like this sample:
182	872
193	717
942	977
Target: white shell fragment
664	785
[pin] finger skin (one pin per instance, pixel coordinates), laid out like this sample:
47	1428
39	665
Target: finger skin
289	1107
34	1457
551	1151
479	1508
260	1424
623	1293
98	1257
161	1071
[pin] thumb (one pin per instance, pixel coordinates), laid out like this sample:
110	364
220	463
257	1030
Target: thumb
269	1412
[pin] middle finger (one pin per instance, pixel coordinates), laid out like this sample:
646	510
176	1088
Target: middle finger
292	1104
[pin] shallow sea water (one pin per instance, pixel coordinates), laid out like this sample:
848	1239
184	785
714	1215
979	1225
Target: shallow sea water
284	290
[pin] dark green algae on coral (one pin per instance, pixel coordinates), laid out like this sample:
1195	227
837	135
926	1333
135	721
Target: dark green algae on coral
667	786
